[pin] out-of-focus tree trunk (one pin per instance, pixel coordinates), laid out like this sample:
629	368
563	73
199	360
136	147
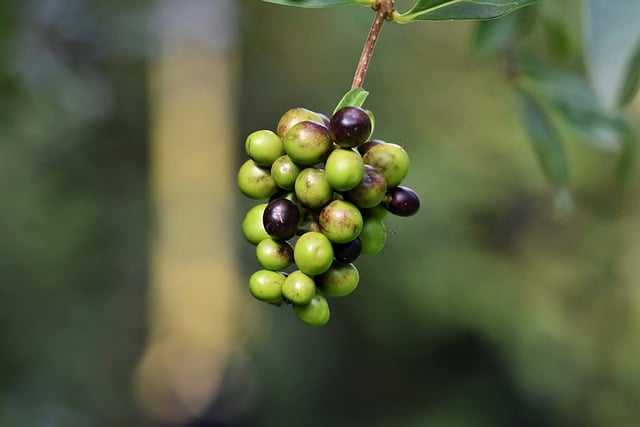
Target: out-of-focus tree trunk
194	280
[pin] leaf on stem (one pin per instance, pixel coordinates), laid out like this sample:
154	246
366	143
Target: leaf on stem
354	98
439	10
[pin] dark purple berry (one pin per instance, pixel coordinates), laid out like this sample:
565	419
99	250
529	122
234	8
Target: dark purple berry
364	147
347	252
350	127
402	201
324	118
281	218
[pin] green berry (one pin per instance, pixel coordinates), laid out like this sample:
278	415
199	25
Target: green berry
316	313
284	172
379	211
299	288
312	188
340	221
266	286
370	191
295	116
308	143
391	160
373	235
344	169
255	182
274	255
339	280
313	253
253	225
264	147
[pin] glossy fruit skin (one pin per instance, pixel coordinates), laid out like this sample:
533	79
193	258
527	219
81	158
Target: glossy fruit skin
316	313
350	127
313	253
365	146
370	191
379	211
312	188
373	236
340	221
391	160
299	288
252	225
402	201
347	252
255	181
284	172
281	218
294	116
264	147
344	169
307	143
274	255
339	280
266	286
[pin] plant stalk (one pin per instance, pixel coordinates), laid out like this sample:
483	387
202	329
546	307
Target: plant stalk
384	12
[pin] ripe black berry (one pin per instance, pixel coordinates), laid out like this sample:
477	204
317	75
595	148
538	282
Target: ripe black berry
347	252
350	127
281	218
402	201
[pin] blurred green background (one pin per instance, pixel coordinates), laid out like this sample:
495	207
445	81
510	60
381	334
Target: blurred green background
485	309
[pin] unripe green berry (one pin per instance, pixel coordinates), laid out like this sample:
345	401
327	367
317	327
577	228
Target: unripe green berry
340	221
307	143
255	182
370	191
373	235
316	313
253	226
378	211
284	172
264	147
299	288
295	116
391	160
266	286
344	169
339	280
274	255
312	188
313	253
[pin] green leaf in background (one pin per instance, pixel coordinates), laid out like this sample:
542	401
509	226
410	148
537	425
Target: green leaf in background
439	10
354	98
612	36
632	82
317	3
577	104
548	146
494	36
562	22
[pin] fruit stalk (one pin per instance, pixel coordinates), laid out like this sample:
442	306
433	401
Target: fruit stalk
384	12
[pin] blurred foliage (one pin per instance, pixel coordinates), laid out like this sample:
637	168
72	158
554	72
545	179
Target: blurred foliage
486	309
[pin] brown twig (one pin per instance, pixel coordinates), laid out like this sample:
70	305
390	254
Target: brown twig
384	12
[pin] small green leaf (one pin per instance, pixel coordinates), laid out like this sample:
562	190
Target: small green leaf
548	146
354	98
632	81
440	10
611	36
317	3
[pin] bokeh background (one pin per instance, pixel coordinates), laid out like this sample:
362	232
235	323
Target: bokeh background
123	297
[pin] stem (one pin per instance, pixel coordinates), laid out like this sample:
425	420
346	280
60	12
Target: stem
384	12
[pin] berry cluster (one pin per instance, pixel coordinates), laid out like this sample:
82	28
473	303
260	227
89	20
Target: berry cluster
329	186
